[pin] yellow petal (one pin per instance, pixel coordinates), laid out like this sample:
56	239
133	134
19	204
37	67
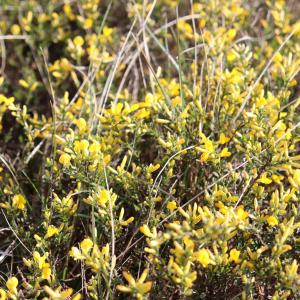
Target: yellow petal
202	256
86	245
272	221
103	197
171	205
19	201
234	255
225	153
12	284
264	179
52	230
76	253
78	41
3	294
223	139
46	271
146	231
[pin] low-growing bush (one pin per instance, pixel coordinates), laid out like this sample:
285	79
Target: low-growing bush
149	149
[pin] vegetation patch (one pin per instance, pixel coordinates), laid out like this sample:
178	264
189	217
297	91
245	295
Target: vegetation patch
149	149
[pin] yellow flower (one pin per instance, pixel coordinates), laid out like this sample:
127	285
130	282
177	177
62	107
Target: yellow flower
136	286
81	146
78	41
264	179
185	27
81	124
86	245
19	201
146	231
277	58
127	222
204	156
24	83
142	114
3	294
106	35
12	284
225	153
272	221
88	23
185	113
176	101
57	294
234	77
241	214
171	205
52	230
207	148
40	260
234	255
277	178
106	159
46	271
223	139
65	159
202	23
95	148
231	56
202	256
153	168
68	12
261	102
42	264
103	197
231	33
15	29
76	253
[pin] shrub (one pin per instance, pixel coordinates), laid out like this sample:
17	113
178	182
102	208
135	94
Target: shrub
149	149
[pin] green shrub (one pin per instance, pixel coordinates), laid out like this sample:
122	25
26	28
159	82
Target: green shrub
158	140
